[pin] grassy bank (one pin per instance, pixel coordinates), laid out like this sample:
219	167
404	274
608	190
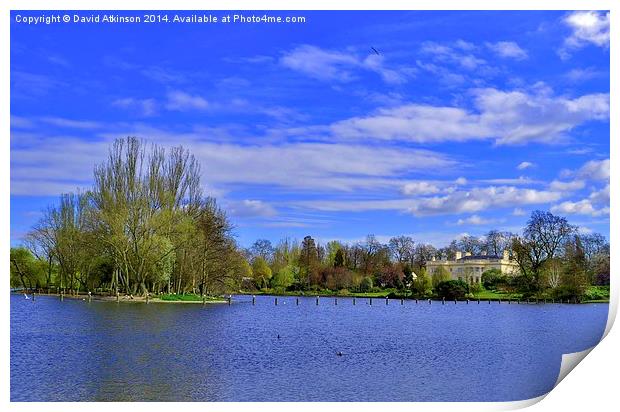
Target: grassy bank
188	297
594	294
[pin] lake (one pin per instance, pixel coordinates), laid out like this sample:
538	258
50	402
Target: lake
104	351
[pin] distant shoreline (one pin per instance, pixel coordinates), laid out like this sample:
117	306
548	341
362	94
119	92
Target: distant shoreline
382	296
122	299
371	295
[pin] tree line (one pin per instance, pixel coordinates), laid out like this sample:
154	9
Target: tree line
553	257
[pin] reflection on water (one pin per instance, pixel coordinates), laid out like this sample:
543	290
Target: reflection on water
103	351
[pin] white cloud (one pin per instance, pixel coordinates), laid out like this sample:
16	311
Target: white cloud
518	212
250	208
525	165
587	27
479	199
521	180
338	66
143	107
461	181
320	64
471	201
517	117
573	185
376	63
513	117
417	123
582	207
600	196
580	75
420	188
71	124
594	170
181	101
508	49
458	53
475	220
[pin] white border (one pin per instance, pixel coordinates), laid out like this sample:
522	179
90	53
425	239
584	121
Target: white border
591	386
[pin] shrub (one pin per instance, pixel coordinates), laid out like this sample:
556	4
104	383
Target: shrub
492	278
452	289
366	284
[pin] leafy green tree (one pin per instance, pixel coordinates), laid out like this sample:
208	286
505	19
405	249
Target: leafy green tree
422	285
339	259
492	278
309	262
261	272
452	289
440	274
284	277
475	288
26	271
366	284
543	238
574	280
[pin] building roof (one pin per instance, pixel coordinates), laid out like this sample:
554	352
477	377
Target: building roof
481	257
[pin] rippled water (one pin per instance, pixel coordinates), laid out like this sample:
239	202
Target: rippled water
103	351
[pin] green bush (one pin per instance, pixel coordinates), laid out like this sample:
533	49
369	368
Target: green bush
493	278
366	284
452	289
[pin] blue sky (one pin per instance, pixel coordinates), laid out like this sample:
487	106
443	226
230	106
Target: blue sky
464	121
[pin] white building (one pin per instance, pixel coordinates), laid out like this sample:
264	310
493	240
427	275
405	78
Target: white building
470	268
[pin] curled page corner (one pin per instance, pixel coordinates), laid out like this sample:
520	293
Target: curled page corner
569	361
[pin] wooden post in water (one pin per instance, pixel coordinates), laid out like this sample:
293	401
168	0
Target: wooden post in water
276	301
467	301
253	300
317	301
386	300
499	301
402	301
416	301
353	301
455	301
62	296
429	302
89	296
489	301
297	301
370	301
443	301
34	295
336	301
478	300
